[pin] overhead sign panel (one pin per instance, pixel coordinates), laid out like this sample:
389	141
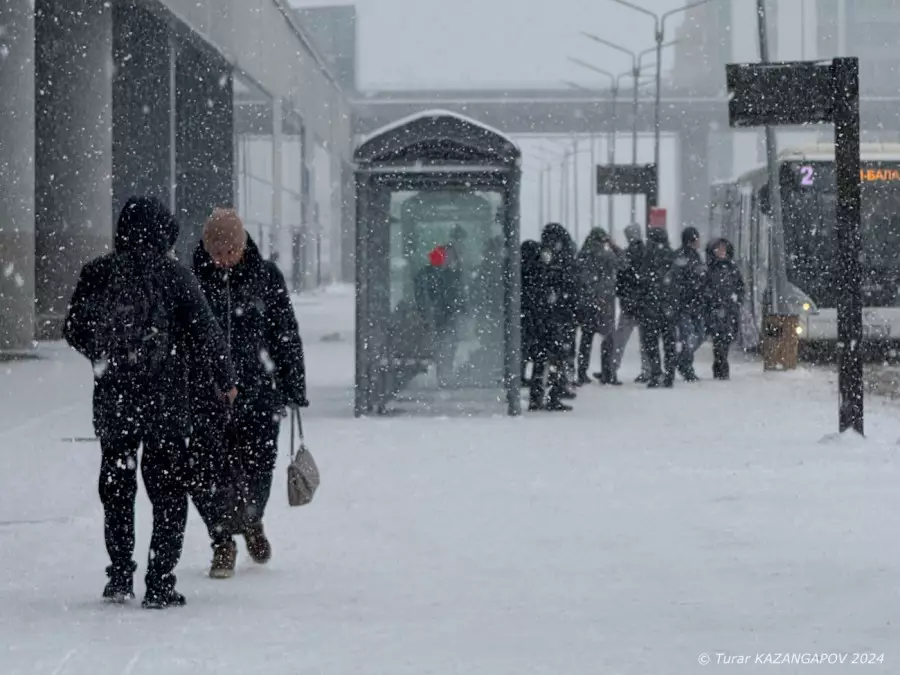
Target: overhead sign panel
773	94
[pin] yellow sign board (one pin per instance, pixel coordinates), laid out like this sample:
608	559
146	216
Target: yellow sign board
879	175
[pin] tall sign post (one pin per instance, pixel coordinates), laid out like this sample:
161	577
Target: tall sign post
629	179
808	92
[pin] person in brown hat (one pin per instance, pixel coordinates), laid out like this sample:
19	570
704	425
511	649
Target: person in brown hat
250	299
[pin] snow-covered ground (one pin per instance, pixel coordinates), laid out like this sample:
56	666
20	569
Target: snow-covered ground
644	529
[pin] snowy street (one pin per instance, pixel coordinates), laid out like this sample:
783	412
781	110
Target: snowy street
631	536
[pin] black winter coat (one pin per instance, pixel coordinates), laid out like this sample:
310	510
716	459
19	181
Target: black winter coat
531	287
440	294
658	293
691	284
726	295
628	281
253	307
144	233
557	300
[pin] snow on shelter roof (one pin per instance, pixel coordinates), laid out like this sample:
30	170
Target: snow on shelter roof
430	133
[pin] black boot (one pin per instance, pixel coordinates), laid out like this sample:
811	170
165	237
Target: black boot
120	587
163	599
536	393
162	595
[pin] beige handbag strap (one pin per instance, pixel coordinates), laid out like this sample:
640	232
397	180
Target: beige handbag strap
296	431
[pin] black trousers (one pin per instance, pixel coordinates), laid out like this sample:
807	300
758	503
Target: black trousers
163	466
721	346
651	333
225	449
607	352
552	362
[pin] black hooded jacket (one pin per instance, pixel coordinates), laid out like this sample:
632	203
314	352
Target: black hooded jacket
531	263
628	281
253	307
145	232
726	292
691	278
558	295
657	286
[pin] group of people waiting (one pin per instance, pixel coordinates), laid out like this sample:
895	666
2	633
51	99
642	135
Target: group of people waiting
674	298
210	353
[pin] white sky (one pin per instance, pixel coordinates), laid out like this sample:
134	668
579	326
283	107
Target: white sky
439	44
484	43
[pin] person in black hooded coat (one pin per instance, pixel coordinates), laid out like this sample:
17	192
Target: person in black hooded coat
141	393
556	304
726	296
531	263
657	312
249	297
692	300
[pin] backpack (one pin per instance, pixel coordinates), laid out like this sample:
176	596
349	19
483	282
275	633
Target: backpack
133	326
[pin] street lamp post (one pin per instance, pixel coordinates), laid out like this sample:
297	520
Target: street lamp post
540	200
611	136
592	139
636	67
615	87
659	35
575	210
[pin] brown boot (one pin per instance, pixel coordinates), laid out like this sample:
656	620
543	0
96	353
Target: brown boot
224	559
258	545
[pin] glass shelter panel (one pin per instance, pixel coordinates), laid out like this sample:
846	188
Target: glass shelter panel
447	265
445	296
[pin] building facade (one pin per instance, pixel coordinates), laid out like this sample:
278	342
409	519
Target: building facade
797	30
201	103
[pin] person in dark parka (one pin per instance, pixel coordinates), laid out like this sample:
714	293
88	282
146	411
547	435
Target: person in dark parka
726	293
556	307
692	298
440	291
628	289
531	264
249	297
599	262
658	307
141	398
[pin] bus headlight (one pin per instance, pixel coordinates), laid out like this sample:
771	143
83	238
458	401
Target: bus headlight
799	330
806	306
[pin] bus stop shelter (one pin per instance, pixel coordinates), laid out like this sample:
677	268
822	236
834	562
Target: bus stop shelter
437	268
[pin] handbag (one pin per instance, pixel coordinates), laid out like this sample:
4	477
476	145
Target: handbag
303	473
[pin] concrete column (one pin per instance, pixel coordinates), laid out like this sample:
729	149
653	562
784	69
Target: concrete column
143	113
73	149
695	182
204	140
307	249
348	223
278	234
336	220
16	174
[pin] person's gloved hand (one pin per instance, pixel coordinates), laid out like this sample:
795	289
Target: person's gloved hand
298	399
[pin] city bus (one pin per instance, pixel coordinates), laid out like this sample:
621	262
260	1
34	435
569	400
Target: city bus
739	210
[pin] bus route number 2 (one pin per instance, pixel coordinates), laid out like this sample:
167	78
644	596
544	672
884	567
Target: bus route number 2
806	175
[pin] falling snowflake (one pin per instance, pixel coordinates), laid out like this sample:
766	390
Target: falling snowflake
266	360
